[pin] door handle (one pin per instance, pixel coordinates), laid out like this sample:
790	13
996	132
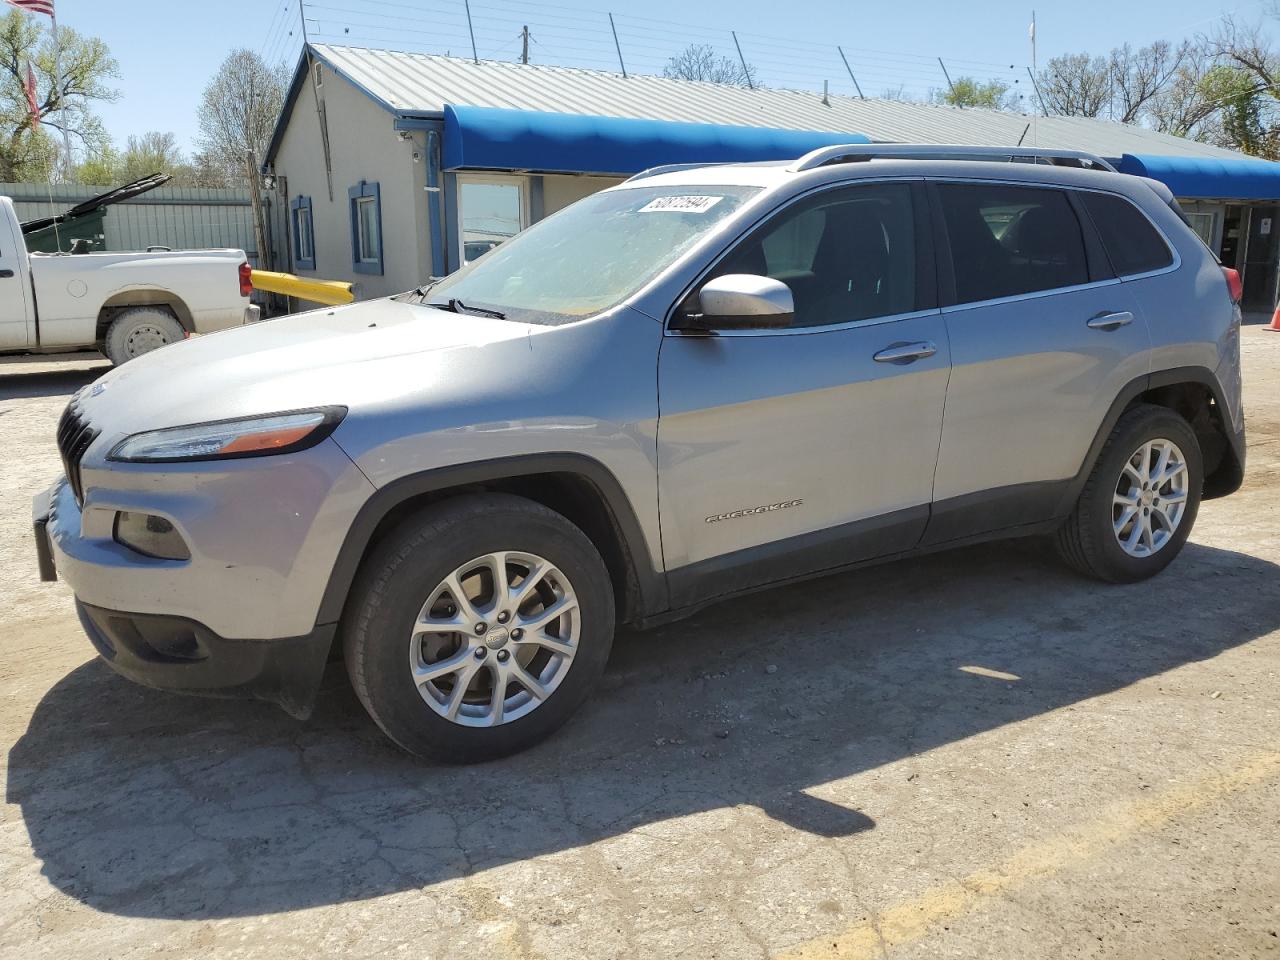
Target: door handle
901	353
1111	321
5	274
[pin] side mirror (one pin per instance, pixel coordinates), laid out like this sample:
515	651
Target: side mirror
741	301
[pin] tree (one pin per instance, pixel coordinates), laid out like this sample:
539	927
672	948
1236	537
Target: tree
699	61
152	152
897	94
101	168
1245	87
239	110
969	92
1139	76
1075	85
1180	107
65	100
1241	111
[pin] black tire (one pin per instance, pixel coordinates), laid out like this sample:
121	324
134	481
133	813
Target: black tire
398	577
154	326
1087	540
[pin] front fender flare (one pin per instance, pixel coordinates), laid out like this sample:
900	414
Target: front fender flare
651	583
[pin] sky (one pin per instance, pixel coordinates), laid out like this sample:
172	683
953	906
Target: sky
168	51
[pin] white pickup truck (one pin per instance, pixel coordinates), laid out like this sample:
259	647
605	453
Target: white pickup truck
122	304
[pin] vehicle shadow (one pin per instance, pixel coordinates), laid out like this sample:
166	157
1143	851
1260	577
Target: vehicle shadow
16	383
146	804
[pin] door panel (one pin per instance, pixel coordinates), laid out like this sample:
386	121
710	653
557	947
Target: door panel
1031	383
1039	352
786	452
810	420
14	332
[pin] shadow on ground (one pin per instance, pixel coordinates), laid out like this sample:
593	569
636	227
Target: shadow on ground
19	384
146	804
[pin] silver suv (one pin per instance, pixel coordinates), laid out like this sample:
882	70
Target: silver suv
697	383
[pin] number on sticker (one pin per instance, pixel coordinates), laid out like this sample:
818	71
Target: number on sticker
680	205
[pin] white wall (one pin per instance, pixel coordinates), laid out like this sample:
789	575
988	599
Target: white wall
363	145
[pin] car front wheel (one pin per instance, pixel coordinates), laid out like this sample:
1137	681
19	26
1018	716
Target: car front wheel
478	627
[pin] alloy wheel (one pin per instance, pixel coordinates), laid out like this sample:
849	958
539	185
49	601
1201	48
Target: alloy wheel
1150	498
494	639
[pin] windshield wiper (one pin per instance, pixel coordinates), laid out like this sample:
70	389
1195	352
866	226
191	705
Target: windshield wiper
419	293
454	305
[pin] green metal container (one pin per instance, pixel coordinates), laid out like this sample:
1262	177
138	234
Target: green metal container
57	239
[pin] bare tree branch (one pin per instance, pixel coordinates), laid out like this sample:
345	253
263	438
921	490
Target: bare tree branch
699	61
239	109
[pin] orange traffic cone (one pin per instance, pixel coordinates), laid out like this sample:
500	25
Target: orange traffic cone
1275	321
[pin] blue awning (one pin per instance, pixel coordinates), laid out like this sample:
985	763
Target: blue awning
485	138
1192	177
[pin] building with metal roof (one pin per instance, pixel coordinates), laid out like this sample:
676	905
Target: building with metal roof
396	166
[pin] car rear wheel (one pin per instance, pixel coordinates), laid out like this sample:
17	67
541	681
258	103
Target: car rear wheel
1140	502
478	627
140	330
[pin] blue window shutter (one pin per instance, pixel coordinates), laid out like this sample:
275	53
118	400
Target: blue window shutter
364	190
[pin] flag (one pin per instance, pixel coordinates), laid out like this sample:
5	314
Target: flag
35	6
33	104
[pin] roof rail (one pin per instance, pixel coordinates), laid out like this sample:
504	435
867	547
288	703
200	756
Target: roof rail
670	168
855	152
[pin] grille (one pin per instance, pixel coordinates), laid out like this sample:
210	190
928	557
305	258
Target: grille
74	437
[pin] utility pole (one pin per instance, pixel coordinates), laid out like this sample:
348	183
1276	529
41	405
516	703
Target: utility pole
851	76
524	44
259	219
746	71
617	46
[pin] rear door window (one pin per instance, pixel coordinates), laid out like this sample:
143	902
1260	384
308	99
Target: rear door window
1133	245
1008	240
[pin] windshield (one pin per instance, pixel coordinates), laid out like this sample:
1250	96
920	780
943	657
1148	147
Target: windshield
591	255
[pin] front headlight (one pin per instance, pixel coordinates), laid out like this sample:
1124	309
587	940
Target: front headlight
228	439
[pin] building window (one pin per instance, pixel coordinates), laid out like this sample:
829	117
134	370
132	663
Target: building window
491	211
302	229
366	228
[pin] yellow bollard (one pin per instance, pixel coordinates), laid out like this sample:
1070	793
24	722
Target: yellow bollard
327	292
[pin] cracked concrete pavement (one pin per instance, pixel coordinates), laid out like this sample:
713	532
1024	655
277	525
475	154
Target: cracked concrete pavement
811	771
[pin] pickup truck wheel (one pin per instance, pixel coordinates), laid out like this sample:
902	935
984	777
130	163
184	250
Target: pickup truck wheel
140	330
1140	502
477	627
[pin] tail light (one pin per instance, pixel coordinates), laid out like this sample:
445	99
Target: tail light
246	279
1234	285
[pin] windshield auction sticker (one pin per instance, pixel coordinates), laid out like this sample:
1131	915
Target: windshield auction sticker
680	205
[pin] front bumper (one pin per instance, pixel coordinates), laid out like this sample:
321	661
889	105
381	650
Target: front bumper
179	654
263	535
172	653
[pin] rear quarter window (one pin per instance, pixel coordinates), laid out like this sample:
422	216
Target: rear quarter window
1133	245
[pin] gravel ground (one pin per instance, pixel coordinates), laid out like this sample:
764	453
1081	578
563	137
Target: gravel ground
969	755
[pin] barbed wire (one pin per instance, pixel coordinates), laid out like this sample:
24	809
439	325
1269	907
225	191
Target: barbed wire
572	36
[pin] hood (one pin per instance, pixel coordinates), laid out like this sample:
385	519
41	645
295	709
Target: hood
357	354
